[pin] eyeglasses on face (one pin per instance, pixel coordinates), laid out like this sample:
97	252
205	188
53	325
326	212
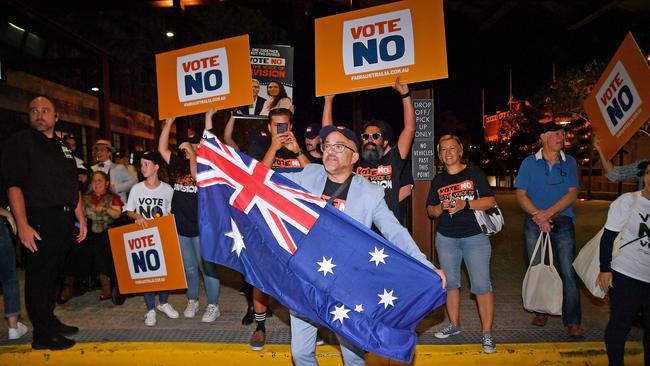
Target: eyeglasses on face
375	136
336	148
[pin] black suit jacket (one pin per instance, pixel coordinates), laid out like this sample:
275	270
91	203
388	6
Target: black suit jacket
259	103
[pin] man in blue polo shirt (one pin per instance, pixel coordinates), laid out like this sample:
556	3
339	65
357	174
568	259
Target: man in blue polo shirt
547	186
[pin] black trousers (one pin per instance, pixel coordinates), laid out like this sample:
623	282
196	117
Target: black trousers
43	267
627	296
90	257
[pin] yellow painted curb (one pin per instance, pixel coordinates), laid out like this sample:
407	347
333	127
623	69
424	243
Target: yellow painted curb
198	354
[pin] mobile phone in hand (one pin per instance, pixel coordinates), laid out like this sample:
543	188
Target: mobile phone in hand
282	127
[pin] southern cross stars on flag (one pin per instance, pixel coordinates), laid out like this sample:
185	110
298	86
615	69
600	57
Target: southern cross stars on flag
312	258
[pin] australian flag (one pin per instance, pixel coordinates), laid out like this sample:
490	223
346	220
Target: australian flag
312	258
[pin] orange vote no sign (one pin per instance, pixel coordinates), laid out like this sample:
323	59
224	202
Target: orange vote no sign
148	259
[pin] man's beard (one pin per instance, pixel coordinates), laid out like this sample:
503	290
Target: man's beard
372	155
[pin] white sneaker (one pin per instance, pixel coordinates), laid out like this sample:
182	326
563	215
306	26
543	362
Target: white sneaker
19	331
168	310
191	309
211	313
150	318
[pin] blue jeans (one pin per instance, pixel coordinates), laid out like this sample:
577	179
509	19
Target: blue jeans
8	276
150	298
563	242
193	264
303	345
476	251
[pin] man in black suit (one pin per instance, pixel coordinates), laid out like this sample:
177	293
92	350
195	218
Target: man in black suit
258	102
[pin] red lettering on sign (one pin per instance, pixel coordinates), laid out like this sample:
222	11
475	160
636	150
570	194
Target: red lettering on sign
205	62
370	30
142	242
611	89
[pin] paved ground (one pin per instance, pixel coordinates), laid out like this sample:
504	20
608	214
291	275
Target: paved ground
104	322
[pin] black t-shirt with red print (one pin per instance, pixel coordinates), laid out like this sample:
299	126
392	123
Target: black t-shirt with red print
462	185
387	172
185	199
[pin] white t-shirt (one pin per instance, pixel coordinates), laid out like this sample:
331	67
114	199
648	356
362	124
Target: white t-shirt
150	203
630	215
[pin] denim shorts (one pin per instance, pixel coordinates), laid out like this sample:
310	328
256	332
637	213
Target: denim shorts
475	251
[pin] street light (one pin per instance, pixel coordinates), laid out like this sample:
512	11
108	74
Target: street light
169	34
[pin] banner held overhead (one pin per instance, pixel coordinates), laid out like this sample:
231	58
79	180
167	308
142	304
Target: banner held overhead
192	80
618	105
369	48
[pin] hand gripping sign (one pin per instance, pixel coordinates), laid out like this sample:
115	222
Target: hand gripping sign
369	48
618	105
193	79
148	259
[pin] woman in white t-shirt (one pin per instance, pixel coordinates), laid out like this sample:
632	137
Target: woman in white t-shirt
149	199
627	277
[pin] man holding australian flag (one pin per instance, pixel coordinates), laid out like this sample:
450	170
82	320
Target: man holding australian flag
304	239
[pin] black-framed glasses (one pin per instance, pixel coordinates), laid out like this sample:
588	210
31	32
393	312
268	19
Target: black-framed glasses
375	136
336	148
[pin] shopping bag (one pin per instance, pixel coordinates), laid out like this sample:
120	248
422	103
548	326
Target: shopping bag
587	265
542	287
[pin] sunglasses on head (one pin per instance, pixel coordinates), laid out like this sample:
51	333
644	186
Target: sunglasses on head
374	136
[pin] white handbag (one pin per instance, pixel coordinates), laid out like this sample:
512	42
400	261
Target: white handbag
587	263
542	287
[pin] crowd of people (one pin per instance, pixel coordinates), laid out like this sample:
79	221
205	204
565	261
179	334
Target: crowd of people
50	200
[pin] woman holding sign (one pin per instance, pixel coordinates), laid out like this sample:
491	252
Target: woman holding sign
185	207
278	98
149	199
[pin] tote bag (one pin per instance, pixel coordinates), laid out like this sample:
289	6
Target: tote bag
587	263
542	287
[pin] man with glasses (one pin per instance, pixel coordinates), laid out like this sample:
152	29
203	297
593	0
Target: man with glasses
381	163
363	201
547	186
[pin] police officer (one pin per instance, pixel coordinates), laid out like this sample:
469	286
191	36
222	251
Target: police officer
40	176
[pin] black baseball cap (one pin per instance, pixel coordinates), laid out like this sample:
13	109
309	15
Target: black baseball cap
153	156
549	127
348	133
312	130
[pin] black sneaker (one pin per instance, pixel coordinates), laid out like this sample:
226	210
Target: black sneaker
55	343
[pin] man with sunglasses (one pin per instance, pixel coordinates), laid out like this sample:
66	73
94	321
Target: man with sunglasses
381	163
350	193
547	186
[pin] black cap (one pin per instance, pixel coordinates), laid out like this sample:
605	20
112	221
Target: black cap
549	127
312	130
153	156
194	139
348	133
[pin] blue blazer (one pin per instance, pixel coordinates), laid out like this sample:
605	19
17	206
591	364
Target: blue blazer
365	203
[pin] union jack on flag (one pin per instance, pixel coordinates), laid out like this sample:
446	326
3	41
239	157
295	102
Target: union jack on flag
313	259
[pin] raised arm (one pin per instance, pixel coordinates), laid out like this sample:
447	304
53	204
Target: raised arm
163	141
405	140
607	164
327	118
227	132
